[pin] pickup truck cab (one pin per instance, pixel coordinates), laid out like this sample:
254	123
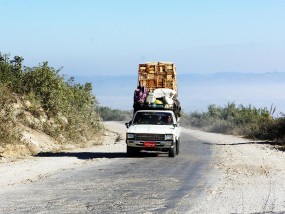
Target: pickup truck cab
153	130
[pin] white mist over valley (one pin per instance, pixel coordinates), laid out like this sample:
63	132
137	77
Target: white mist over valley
198	91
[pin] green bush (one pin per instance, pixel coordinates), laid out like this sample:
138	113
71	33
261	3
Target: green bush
11	71
8	131
238	120
60	99
109	114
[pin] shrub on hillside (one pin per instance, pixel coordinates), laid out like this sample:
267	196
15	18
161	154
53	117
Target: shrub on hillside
8	130
61	100
109	114
238	120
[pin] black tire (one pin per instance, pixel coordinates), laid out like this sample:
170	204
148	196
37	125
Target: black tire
132	152
172	151
177	146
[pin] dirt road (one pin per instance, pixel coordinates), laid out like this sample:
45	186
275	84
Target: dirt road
213	174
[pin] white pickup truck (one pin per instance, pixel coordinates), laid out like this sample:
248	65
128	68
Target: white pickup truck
153	130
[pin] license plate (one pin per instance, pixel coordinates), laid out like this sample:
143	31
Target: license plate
149	144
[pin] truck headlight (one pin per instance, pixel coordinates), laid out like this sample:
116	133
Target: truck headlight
130	136
169	137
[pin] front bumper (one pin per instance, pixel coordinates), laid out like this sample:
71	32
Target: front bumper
158	144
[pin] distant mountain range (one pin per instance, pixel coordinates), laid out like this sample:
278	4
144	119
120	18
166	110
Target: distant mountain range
197	91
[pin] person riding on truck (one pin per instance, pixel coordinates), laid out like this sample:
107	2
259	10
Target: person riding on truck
169	120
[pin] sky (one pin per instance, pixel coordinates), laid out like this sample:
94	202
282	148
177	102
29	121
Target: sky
89	39
110	37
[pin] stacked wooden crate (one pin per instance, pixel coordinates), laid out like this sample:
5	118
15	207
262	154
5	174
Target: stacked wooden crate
157	75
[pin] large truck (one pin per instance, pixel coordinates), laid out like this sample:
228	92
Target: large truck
156	121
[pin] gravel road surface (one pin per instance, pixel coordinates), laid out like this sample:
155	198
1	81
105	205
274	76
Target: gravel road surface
151	183
212	174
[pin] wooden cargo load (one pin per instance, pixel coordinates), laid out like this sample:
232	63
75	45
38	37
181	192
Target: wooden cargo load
157	87
155	75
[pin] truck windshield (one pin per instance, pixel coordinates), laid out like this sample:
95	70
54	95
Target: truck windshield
153	118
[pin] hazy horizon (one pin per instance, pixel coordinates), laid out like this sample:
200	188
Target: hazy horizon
198	91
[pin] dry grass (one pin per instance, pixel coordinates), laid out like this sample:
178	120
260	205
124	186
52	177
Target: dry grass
18	114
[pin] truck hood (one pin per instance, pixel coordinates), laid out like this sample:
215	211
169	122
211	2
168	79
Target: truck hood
148	129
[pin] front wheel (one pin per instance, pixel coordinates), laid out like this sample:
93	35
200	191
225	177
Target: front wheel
172	151
177	146
131	151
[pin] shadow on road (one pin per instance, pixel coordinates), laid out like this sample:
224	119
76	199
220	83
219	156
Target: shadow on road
276	145
233	144
83	155
92	155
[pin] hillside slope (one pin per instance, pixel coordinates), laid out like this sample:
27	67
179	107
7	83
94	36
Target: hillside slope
30	132
40	110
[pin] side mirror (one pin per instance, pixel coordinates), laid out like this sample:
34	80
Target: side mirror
128	124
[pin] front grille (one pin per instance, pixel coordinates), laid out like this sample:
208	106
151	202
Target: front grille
150	137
